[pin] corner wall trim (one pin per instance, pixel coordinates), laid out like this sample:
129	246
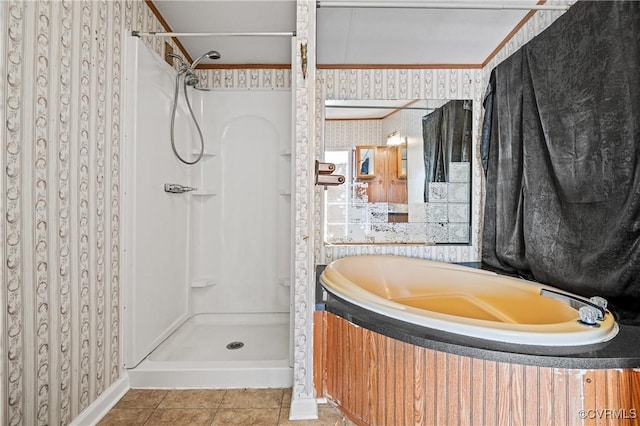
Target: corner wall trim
99	408
303	409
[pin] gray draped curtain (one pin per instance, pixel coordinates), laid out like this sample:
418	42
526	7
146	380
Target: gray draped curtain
446	134
561	147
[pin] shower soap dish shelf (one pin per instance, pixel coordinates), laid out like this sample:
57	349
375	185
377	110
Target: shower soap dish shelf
204	192
203	282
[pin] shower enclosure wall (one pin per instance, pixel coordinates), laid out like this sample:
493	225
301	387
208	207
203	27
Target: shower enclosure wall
207	273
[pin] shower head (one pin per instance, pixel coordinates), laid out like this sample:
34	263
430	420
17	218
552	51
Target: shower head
210	55
191	79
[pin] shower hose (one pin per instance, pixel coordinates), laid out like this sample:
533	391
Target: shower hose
173	119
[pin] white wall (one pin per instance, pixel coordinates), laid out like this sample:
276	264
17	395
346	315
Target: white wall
241	225
155	223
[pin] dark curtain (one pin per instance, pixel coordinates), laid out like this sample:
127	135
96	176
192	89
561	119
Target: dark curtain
446	134
561	143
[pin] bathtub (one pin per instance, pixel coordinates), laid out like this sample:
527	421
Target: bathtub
463	300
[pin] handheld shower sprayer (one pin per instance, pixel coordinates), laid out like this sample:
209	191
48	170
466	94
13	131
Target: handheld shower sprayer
189	79
212	54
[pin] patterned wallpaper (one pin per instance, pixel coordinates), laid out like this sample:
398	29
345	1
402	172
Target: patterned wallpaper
62	89
245	78
346	134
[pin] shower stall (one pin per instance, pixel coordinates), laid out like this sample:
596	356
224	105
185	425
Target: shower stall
207	273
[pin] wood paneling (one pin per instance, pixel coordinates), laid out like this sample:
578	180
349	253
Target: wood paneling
532	384
378	380
319	348
399	392
464	398
398	66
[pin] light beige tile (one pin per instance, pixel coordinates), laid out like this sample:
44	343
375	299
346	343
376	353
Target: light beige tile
327	416
328	413
252	398
126	416
246	416
141	398
286	398
181	416
193	398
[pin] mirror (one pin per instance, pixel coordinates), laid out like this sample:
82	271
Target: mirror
402	161
408	169
365	160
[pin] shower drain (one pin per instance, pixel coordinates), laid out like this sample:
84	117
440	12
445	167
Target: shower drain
235	345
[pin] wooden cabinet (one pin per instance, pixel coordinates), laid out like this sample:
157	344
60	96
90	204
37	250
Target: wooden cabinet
387	183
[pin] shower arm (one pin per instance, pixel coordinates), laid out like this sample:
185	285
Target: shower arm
183	64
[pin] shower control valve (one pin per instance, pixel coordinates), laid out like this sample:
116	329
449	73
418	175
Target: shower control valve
176	188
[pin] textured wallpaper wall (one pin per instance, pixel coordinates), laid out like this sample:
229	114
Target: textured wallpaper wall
245	78
62	86
346	134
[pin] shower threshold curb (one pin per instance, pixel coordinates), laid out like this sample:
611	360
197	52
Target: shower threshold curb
273	374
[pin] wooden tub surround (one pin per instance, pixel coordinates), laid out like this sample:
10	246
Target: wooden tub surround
378	380
382	370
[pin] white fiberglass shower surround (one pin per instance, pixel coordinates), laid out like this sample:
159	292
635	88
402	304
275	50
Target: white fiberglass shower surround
207	295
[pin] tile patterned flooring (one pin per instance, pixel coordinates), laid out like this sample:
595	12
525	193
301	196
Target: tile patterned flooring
212	407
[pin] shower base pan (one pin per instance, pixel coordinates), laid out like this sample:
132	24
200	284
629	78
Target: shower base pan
221	351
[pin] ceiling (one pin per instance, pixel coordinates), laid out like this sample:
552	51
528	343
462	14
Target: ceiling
233	16
411	36
345	36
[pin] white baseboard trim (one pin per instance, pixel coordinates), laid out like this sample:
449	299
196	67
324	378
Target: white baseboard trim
303	409
101	406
